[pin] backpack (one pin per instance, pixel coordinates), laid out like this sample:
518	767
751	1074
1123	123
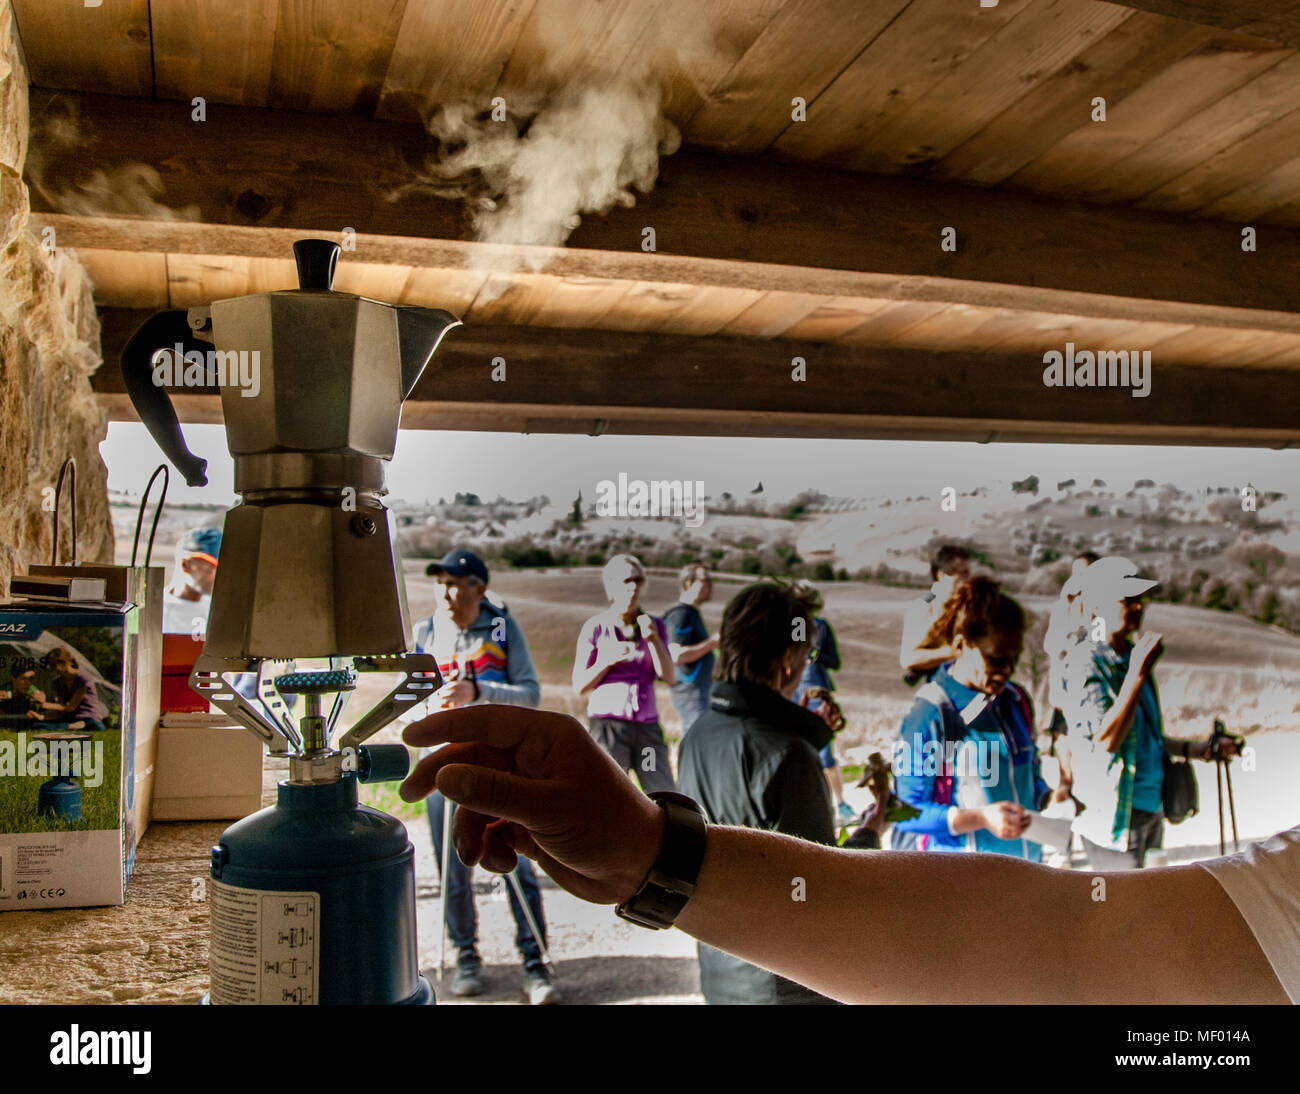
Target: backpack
950	727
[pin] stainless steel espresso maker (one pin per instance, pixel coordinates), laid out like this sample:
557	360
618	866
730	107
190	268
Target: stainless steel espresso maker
312	383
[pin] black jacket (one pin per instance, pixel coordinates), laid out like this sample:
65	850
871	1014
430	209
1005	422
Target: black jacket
751	760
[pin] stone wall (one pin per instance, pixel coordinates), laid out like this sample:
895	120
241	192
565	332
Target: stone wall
49	346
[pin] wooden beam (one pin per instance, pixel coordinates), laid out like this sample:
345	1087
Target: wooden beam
592	381
260	178
1278	20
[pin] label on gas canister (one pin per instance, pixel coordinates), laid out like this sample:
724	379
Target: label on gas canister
263	946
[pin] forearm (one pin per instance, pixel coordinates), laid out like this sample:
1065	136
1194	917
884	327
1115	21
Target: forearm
1119	719
892	928
922	659
663	664
586	679
688	655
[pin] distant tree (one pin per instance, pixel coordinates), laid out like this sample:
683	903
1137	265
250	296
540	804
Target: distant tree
576	517
1026	486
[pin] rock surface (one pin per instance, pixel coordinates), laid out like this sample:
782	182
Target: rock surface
49	346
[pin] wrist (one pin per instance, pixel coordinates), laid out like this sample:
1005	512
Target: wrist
647	846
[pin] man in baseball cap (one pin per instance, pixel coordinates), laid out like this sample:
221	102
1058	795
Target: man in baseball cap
1116	730
187	600
483	658
459	564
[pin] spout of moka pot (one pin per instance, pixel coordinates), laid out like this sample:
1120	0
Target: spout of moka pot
419	332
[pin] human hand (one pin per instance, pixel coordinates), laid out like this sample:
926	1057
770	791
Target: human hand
829	711
454	693
1006	820
533	782
645	626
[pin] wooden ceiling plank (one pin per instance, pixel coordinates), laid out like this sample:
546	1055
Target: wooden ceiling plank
194	280
448	51
1268	193
773	313
1233	118
890	323
378	282
509	298
332	55
1031	47
645	306
453	290
219	52
798	54
1278	20
721	221
1111	68
577	40
693	44
580	301
684	384
1217	345
710	309
1219	175
951	329
126	280
927	42
835	318
1182	91
71	45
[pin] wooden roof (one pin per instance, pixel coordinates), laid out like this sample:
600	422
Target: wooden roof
921	114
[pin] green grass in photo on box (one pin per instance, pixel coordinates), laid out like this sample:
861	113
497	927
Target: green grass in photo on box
99	804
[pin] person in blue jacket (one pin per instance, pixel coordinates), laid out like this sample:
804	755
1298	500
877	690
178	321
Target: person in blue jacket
965	755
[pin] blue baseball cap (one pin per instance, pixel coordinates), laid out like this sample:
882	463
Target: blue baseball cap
459	564
202	543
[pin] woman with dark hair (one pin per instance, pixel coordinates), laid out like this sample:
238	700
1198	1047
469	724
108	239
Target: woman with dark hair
751	759
965	755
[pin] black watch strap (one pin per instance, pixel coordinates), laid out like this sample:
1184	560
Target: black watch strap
671	880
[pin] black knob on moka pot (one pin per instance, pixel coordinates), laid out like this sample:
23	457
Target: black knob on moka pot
317	260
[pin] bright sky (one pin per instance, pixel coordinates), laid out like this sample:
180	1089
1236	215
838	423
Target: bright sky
430	465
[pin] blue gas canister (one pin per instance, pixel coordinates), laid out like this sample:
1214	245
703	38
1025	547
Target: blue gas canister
313	900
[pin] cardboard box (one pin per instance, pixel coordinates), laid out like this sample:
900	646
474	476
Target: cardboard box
207	773
143	587
53	855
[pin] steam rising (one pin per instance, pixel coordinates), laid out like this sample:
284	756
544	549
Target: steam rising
127	190
582	153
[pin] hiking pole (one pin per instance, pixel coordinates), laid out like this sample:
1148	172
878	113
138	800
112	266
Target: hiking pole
1223	764
446	866
512	879
1218	784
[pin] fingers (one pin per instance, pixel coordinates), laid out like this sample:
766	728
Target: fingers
496	725
530	802
420	782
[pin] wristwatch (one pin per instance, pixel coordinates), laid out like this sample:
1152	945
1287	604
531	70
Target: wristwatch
671	880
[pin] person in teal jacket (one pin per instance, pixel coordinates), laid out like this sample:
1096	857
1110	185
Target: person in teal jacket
965	755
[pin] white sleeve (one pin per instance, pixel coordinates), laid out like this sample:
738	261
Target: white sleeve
1263	881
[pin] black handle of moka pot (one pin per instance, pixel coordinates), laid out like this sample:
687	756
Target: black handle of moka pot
317	259
165	330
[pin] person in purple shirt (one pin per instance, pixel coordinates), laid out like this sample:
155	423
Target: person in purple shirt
621	653
75	699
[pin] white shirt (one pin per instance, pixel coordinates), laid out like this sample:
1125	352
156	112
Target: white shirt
1263	881
185	616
